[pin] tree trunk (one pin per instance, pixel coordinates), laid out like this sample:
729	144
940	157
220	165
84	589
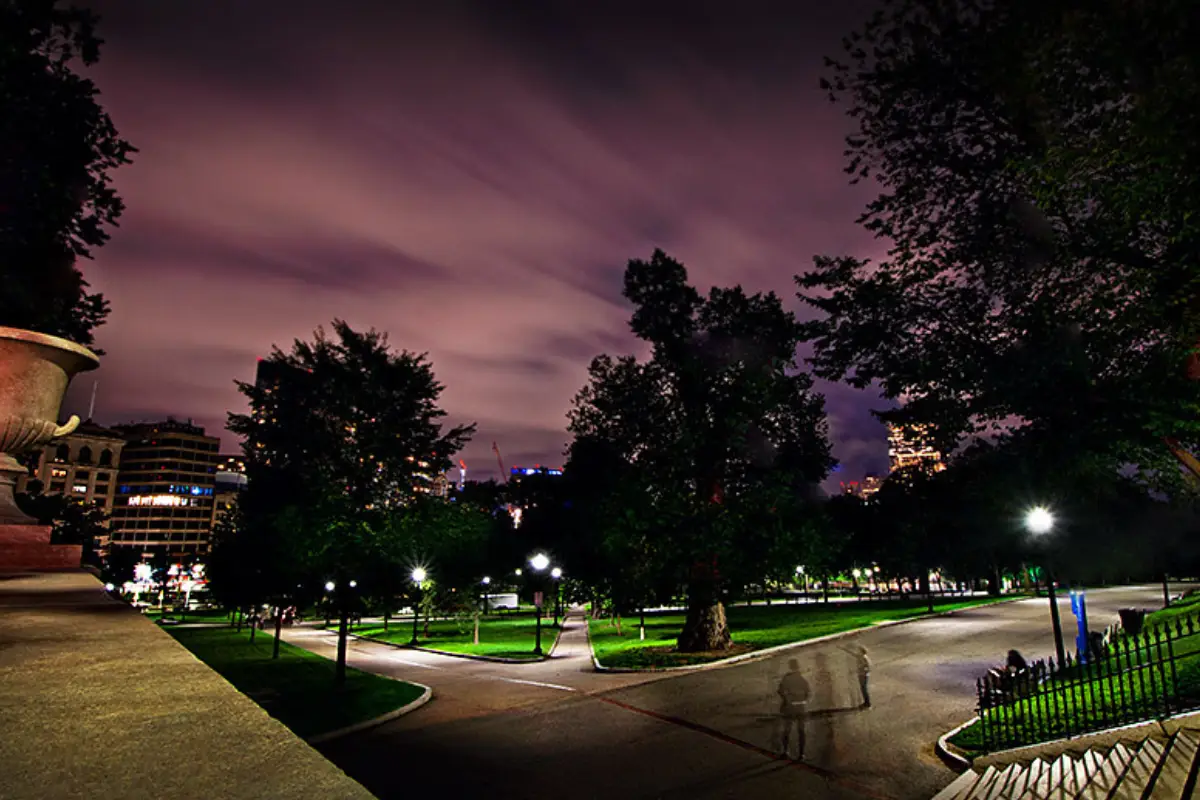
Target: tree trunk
339	677
706	628
825	588
386	614
476	628
927	588
237	616
278	631
253	627
995	585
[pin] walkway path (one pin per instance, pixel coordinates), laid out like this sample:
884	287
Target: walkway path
514	728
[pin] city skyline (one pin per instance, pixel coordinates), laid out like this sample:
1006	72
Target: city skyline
476	192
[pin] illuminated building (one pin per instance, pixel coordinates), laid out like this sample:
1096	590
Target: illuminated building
520	472
229	481
869	486
911	449
82	465
165	489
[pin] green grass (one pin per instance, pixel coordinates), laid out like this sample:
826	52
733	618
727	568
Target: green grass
753	628
509	636
297	689
199	615
1104	695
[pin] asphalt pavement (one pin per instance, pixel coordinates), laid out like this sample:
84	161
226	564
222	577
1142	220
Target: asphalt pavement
558	728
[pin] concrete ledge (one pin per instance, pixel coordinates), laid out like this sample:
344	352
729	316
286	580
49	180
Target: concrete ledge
407	708
91	679
769	651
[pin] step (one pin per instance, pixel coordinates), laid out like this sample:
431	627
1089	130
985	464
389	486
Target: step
984	783
999	789
38	557
960	788
1020	782
1141	770
24	534
1176	768
1034	772
1112	766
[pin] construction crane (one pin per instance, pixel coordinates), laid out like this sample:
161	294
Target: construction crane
500	461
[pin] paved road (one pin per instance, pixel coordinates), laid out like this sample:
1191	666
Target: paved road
556	728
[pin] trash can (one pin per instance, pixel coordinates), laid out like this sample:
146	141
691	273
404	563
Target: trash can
1132	620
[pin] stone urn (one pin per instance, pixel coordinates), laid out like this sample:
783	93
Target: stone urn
34	372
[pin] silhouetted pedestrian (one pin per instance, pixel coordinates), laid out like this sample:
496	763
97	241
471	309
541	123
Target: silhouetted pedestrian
863	668
794	693
1016	662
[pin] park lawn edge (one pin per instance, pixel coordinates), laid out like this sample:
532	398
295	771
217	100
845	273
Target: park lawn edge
762	652
963	741
406	695
532	659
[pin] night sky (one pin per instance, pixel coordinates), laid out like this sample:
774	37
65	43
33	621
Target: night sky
472	181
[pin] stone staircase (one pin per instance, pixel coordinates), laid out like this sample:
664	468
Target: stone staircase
1155	769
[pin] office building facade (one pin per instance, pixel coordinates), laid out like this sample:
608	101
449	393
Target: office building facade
164	501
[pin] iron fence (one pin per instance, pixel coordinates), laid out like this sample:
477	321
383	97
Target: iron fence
1125	678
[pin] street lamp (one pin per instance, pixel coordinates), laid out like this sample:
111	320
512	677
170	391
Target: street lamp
539	562
556	574
804	578
1039	521
330	586
486	582
418	577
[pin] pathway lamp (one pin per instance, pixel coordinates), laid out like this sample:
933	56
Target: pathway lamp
1039	521
556	574
486	582
418	578
539	562
804	581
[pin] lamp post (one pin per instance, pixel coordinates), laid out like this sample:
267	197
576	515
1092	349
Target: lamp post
539	563
418	577
486	581
556	574
804	579
1039	522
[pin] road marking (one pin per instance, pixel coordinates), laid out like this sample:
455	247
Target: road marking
539	683
828	775
408	663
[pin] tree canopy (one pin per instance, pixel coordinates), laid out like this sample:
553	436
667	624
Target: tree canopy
57	149
1037	172
718	432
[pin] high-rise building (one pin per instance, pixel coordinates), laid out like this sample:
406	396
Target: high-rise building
229	481
82	465
165	489
911	448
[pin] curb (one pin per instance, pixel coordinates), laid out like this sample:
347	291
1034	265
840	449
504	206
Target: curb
769	651
955	758
425	697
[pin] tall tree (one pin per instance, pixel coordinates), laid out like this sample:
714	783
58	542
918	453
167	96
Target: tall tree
57	149
342	435
718	412
1037	163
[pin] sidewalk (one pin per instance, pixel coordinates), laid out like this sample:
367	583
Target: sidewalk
97	701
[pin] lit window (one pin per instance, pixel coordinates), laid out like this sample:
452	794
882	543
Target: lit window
79	488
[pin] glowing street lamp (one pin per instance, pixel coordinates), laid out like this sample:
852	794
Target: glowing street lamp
330	586
556	574
1039	521
418	577
804	579
486	582
539	562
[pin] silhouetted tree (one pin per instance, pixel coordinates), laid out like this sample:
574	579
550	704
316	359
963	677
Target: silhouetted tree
715	421
57	149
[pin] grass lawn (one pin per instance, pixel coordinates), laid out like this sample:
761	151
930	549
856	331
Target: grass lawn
1106	694
199	615
753	628
508	636
297	689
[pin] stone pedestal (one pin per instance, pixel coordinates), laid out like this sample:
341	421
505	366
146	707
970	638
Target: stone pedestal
27	548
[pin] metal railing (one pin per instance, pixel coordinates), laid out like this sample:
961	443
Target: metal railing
1125	678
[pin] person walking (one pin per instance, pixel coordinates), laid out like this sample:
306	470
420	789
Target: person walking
794	693
863	668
